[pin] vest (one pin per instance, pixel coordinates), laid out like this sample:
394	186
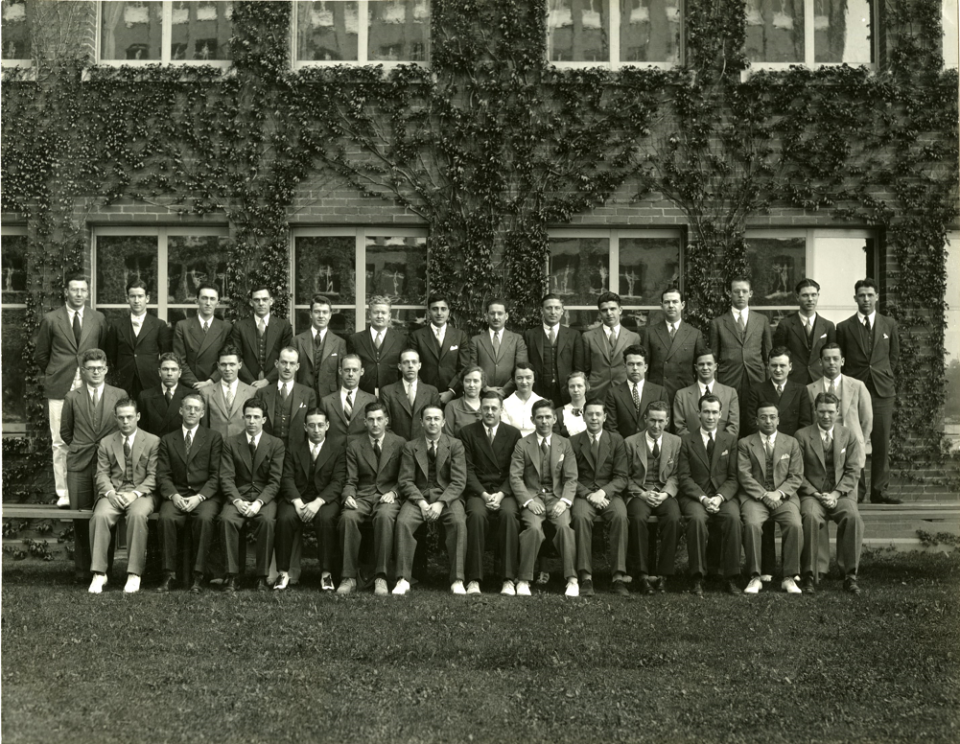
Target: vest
768	480
830	480
651	480
286	413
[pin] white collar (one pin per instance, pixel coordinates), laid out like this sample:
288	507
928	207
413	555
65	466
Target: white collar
265	319
872	316
231	386
708	435
651	441
192	432
256	439
138	318
703	385
173	390
316	333
98	388
555	329
541	440
804	320
825	434
616	329
374	332
745	313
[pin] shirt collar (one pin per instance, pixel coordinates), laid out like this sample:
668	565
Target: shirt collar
827	433
872	316
232	386
745	313
374	332
805	320
98	388
173	390
138	318
772	437
281	383
541	440
192	432
706	435
651	440
315	448
130	438
316	333
256	439
675	324
494	333
344	392
555	329
703	385
373	441
71	311
826	382
265	319
608	330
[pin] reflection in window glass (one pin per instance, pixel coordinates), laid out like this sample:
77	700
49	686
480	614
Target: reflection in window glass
650	31
399	30
578	31
647	267
397	268
13	252
327	30
131	30
341	322
15	17
120	260
201	31
774	31
579	269
837	262
776	265
842	31
193	260
325	265
14	339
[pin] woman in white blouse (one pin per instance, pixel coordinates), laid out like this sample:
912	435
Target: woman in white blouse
570	417
465	410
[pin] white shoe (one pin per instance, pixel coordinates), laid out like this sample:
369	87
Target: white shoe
347	586
509	590
473	588
790	586
63	502
573	588
282	582
380	587
457	588
133	584
96	585
754	586
523	588
766	578
401	589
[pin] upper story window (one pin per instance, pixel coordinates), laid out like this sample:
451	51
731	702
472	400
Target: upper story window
614	32
361	31
166	32
15	20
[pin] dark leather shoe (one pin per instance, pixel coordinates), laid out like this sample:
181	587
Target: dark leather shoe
697	588
197	586
730	587
166	585
808	585
586	588
262	585
230	585
879	498
850	585
662	585
646	586
620	588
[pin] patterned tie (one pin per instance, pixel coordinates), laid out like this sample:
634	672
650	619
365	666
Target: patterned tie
868	342
127	461
378	340
230	396
552	336
348	405
77	330
496	341
741	324
672	330
711	446
832	387
377	449
187	442
206	327
706	389
808	328
261	343
253	449
261	328
827	442
168	395
779	389
636	397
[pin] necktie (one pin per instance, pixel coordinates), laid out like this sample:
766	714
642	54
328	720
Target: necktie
636	397
187	442
438	334
552	336
496	342
827	443
261	328
869	335
314	452
808	327
136	327
317	349
671	329
595	447
411	393
544	449
253	449
378	340
767	446
377	449
656	449
96	408
832	388
711	446
77	330
432	450
706	389
127	461
613	340
230	397
284	392
348	404
206	327
490	435
741	324
168	395
779	390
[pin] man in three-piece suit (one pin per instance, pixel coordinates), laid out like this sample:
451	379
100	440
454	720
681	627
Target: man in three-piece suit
603	348
250	473
406	398
626	402
433	474
64	334
126	486
135	342
488	447
320	350
601	479
554	351
378	347
197	341
260	340
88	418
804	333
444	350
497	351
188	480
789	396
686	403
671	346
870	343
286	402
740	340
224	400
344	407
159	406
543	476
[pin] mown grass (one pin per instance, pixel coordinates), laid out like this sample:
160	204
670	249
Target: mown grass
307	667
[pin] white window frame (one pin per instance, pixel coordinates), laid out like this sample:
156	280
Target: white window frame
14	63
11	428
951	28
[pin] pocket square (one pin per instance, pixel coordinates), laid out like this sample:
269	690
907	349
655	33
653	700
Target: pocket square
724	453
843	450
885	336
454	347
560	460
824	335
333	354
784	457
302	404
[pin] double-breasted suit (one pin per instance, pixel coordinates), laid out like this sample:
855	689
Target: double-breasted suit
604	366
219	415
199	351
686	408
741	358
623	416
792	404
550	382
319	368
442	365
257	365
157	415
670	360
303	399
135	359
804	351
405	418
379	365
344	429
498	365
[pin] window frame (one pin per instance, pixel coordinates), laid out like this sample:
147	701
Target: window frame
12	428
950	31
18	62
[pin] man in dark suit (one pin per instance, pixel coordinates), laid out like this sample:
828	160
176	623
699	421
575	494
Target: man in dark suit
444	350
313	476
320	350
135	343
224	399
626	402
286	402
488	446
497	351
197	341
789	397
671	346
804	334
188	480
345	406
64	334
260	340
870	343
407	398
378	347
433	474
601	478
160	405
554	351
686	411
603	348
740	340
250	474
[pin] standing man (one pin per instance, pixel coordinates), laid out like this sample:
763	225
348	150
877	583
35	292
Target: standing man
378	347
671	346
444	350
406	399
159	406
789	397
64	334
518	407
135	343
603	348
286	402
686	411
197	341
260	339
627	401
805	333
870	343
224	400
320	350
740	340
345	406
498	351
554	352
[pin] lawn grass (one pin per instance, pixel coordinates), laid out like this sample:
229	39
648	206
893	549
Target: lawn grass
431	667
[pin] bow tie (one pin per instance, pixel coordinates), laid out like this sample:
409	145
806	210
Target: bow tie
576	411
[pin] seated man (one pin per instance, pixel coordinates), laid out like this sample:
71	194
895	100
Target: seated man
126	485
543	476
518	407
433	474
406	398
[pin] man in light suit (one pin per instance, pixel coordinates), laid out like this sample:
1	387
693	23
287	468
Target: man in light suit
197	341
554	351
740	340
433	474
159	406
543	476
805	333
126	487
286	402
444	350
135	343
345	406
789	396
64	334
603	348
378	347
870	343
407	398
224	400
320	350
260	340
686	411
830	474
626	402
498	351
671	346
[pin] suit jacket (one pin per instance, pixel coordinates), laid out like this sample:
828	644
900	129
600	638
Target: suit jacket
404	419
637	463
670	360
328	477
752	466
379	365
700	475
525	470
856	410
451	467
608	472
741	361
199	351
111	462
605	368
323	379
875	370
196	474
846	458
569	344
76	424
227	420
57	348
442	366
244	337
303	400
246	479
342	431
686	409
488	467
156	416
792	404
366	479
622	415
498	366
137	357
804	357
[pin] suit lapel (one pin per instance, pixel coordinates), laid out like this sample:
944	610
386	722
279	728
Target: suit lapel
735	329
305	459
664	336
118	449
420	452
696	444
201	340
86	328
541	341
757	445
198	443
63	318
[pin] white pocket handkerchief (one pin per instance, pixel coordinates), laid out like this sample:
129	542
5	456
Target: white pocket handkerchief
454	348
784	457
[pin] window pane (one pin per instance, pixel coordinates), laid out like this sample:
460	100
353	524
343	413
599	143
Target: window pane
325	265
131	30
841	30
578	31
776	265
194	260
399	30
14	336
647	267
397	268
951	34
13	252
120	260
650	30
836	263
951	343
327	30
579	269
15	25
774	31
176	314
201	30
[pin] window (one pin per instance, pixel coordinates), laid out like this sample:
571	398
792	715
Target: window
636	264
644	32
951	34
155	31
394	260
951	341
15	20
13	333
331	32
780	33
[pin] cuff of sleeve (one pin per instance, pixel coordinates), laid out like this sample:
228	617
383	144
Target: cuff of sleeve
568	502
